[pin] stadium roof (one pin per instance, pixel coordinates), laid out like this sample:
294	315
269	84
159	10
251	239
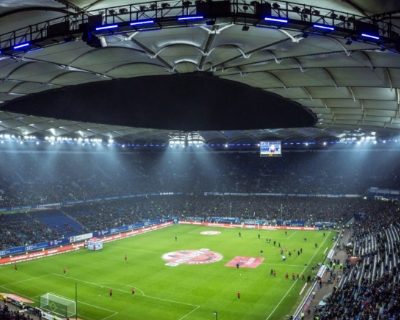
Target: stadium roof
351	85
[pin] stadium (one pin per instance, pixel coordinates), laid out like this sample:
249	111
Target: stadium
199	159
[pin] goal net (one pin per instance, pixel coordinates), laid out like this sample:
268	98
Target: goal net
58	305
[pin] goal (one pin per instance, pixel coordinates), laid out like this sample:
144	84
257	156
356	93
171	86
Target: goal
58	305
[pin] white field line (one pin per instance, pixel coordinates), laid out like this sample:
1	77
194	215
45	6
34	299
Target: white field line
23	280
292	234
286	265
190	312
24	296
110	316
291	287
170	300
35	298
126	292
97	307
136	288
302	289
326	249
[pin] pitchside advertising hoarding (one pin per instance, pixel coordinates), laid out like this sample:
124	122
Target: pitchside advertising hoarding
33	247
76	246
74	239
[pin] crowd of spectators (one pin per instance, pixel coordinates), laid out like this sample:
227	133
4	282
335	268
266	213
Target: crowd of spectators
370	285
7	314
23	229
58	177
28	228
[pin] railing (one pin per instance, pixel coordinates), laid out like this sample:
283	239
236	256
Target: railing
303	17
307	297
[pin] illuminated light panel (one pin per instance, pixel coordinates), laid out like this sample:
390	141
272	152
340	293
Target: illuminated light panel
321	26
366	35
185	18
111	26
141	22
281	20
22	45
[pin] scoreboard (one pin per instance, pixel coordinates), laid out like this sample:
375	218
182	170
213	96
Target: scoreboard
270	149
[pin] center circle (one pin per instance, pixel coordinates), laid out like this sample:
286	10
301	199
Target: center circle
210	233
191	257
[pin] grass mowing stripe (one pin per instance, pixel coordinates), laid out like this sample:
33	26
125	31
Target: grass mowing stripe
122	291
291	287
24	280
126	292
97	307
108	317
136	288
286	265
187	314
24	296
37	300
186	292
291	235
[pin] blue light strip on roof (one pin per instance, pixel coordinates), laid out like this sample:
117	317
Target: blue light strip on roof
185	18
324	27
281	20
111	26
141	22
22	45
366	35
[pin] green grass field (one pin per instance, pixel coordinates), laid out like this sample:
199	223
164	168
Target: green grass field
190	292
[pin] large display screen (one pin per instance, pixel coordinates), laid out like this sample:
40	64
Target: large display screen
270	149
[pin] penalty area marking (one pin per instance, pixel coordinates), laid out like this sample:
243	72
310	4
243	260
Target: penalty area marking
190	312
291	287
114	313
126	292
25	280
110	316
97	307
302	289
23	296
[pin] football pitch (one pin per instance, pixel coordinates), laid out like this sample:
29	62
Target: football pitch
162	279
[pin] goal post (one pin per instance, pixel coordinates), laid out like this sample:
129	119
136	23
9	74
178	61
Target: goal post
58	305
